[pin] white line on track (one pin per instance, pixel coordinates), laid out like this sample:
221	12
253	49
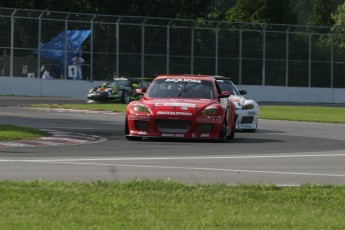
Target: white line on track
198	168
79	161
180	158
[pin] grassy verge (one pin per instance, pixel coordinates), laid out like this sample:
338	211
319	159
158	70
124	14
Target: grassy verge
274	112
168	205
304	113
14	133
98	107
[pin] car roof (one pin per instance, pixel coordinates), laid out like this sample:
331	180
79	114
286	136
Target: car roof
130	78
120	78
221	78
191	76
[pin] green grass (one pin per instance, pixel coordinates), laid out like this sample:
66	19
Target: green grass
98	107
272	112
168	205
14	133
304	113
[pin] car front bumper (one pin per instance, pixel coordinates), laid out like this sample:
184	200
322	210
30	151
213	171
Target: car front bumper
104	97
170	127
247	119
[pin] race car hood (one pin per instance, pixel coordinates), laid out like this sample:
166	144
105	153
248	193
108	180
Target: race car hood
177	106
237	100
104	90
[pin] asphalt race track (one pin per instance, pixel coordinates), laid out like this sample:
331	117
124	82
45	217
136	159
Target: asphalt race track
282	153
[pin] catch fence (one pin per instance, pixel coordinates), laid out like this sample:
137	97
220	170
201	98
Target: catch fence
249	53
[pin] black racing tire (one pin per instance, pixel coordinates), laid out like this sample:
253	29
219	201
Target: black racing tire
233	130
126	127
130	138
251	130
126	97
223	131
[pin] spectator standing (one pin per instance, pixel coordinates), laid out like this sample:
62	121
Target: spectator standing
46	74
78	61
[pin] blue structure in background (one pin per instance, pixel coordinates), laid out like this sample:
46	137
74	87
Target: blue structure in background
55	49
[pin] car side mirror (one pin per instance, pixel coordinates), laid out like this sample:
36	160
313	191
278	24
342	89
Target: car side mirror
140	91
243	92
224	94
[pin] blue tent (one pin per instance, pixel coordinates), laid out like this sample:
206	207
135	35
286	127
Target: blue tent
55	49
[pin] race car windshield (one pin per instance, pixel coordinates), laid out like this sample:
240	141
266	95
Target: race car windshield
227	85
181	88
118	83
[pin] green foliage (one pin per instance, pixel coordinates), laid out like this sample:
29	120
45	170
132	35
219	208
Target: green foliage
339	19
189	9
262	11
302	10
321	13
271	11
241	12
339	28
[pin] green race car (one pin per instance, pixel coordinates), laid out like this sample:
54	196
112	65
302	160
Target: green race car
120	90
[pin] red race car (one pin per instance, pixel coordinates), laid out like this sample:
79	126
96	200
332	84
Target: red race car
181	106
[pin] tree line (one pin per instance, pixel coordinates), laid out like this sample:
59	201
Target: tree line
310	12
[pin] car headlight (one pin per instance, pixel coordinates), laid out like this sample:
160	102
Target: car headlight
141	109
248	106
209	111
91	90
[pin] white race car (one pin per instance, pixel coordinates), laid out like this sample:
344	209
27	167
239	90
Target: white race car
247	111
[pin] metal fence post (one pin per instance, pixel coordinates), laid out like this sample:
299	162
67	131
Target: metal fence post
287	58
12	43
332	59
168	48
39	70
192	53
264	58
217	46
240	59
143	47
65	51
39	44
309	61
91	48
118	46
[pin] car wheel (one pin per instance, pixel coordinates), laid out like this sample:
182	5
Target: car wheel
223	131
233	130
131	138
125	97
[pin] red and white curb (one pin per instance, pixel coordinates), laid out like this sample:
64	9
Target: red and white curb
56	138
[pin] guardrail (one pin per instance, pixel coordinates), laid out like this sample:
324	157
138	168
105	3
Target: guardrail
18	86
